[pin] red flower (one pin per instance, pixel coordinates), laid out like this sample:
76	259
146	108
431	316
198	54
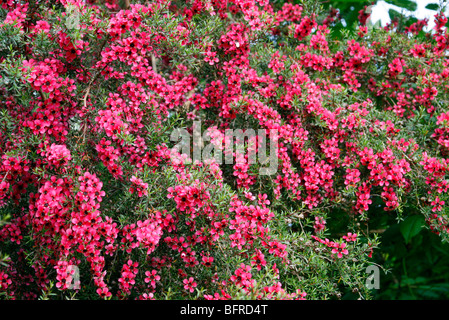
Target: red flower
339	249
152	277
190	284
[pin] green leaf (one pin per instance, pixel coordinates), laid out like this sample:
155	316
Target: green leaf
411	226
433	6
394	14
404	4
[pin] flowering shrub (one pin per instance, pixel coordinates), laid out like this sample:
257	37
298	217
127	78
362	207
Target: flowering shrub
91	92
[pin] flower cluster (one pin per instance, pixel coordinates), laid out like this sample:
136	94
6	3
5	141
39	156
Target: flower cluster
89	182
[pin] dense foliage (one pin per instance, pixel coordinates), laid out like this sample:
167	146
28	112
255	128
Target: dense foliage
91	94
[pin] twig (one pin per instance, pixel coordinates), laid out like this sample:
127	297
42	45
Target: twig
86	94
42	95
153	63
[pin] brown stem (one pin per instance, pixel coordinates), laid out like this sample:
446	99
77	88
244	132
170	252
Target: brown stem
42	95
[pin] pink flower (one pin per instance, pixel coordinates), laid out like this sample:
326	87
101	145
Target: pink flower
211	57
263	199
207	261
243	277
320	224
190	284
350	237
258	260
152	277
339	249
58	155
437	204
139	186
